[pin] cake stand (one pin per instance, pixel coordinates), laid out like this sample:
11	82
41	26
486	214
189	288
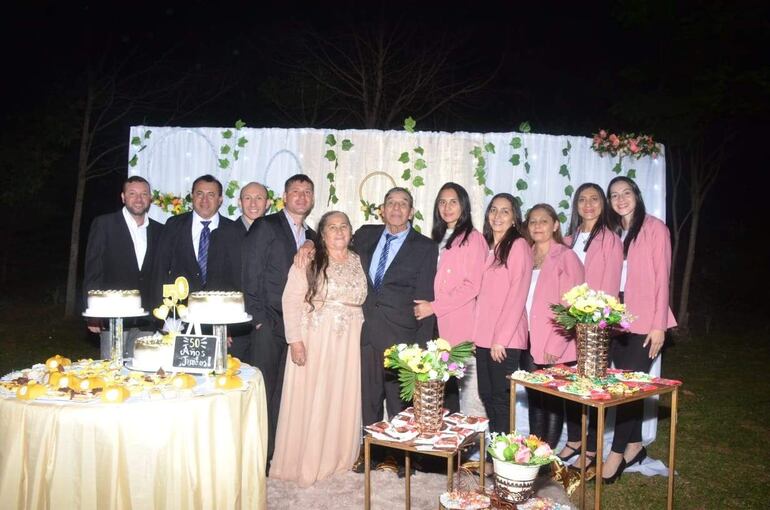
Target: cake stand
219	327
116	333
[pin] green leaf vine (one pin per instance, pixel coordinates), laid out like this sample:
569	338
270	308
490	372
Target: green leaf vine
331	155
139	143
410	173
232	145
480	171
564	204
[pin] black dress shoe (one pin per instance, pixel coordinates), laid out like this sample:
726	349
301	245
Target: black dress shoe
615	477
639	457
575	452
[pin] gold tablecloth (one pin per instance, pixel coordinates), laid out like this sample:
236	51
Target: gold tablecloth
203	452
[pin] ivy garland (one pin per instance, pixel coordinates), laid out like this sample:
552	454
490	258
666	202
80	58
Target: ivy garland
522	184
331	155
569	190
226	150
141	142
481	165
415	180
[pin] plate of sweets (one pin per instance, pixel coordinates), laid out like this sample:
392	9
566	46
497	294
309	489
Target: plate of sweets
642	377
464	500
530	377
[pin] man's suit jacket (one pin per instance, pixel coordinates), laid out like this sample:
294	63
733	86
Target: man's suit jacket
268	253
241	226
389	314
176	256
110	260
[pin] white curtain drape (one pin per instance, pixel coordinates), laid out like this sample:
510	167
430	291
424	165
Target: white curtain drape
172	157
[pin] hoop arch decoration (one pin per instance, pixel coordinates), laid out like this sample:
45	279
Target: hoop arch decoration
370	209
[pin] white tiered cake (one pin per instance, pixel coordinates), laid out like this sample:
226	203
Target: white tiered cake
153	352
216	307
114	303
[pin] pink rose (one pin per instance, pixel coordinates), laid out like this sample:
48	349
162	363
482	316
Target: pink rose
603	133
523	455
444	356
614	140
543	451
633	147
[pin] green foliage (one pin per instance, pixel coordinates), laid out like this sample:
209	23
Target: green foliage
134	160
347	145
418	215
136	140
489	147
565	150
515	142
147	134
569	190
618	167
404	157
239	124
242	141
225	149
409	124
564	204
232	187
515	160
524	127
420	164
227	134
330	140
631	173
564	170
521	185
231	209
331	155
224	163
330	176
418	181
562	218
419	150
407	174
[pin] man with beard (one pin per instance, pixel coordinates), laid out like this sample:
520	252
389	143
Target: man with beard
121	249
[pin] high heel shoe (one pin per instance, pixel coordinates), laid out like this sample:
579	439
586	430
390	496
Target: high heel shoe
639	457
575	453
615	477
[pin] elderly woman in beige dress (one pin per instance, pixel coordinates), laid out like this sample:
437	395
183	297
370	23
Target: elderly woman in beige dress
319	424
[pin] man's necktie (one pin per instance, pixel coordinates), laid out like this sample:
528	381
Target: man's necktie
203	250
380	273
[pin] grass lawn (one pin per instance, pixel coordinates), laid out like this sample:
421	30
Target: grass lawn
723	439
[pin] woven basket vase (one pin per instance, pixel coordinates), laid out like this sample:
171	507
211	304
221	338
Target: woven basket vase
593	345
429	405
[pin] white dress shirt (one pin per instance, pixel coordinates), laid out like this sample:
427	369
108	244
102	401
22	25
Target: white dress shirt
197	228
138	236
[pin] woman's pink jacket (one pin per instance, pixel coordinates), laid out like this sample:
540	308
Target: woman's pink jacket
604	262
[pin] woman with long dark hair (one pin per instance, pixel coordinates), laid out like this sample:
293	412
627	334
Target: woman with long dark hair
644	290
601	252
462	251
556	269
500	326
319	424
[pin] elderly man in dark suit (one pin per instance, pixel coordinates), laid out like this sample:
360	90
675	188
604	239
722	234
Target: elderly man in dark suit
119	256
268	253
202	245
401	265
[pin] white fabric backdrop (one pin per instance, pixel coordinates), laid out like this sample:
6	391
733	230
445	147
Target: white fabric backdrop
172	157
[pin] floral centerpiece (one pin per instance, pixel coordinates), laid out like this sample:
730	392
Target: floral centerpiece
170	203
423	372
517	460
592	313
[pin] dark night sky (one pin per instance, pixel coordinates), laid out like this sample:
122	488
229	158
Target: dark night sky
563	65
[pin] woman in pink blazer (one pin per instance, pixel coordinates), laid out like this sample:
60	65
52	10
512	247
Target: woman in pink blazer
500	327
462	252
644	290
556	269
601	252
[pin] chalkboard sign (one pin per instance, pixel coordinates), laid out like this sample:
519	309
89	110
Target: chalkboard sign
195	353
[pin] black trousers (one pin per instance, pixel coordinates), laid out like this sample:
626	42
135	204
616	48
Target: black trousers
494	388
628	354
546	412
378	384
269	354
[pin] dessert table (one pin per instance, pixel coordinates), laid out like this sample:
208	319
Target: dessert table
203	449
601	400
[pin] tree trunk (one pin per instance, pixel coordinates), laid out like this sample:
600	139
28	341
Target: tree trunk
684	298
70	302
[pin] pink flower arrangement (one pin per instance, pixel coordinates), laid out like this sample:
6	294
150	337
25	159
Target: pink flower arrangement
625	144
519	449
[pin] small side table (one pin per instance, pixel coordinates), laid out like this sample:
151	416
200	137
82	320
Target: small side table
408	447
601	406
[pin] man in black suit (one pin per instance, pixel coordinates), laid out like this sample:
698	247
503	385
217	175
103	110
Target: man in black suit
119	256
253	202
400	264
202	245
268	253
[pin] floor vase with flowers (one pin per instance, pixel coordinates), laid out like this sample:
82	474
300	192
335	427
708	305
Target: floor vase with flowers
429	405
593	345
